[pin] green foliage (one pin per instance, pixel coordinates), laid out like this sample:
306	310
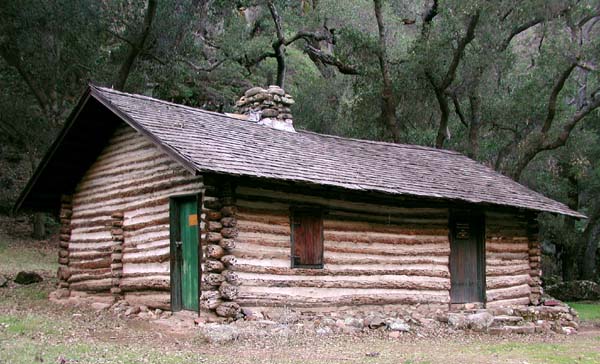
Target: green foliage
588	311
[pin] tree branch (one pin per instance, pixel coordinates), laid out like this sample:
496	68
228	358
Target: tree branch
331	60
558	86
136	49
195	67
562	138
529	24
458	111
441	88
518	30
278	45
459	51
306	35
431	13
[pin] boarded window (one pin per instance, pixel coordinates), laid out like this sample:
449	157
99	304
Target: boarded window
307	238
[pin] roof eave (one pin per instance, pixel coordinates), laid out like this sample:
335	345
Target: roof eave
52	150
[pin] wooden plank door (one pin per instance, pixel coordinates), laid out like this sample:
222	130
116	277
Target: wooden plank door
307	239
188	225
467	274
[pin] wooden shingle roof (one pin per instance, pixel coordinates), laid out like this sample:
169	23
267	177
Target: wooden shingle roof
208	141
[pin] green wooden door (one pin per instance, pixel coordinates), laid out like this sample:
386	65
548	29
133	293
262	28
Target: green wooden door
188	223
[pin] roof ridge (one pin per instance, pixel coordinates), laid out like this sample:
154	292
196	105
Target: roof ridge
196	109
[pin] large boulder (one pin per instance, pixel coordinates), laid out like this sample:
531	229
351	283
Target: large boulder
28	277
480	321
575	291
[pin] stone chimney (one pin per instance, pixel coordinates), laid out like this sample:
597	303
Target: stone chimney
269	107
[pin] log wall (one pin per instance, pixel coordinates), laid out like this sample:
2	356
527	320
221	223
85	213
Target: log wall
373	254
119	227
508	270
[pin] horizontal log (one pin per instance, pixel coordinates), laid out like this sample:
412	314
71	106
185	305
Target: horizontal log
373	281
522	301
147	247
391	250
513	247
247	193
149	299
151	256
507	256
153	283
90	275
507	281
344	270
246	226
89	254
510	270
90	264
424	227
158	221
249	216
98	285
492	262
277	300
383	238
508	293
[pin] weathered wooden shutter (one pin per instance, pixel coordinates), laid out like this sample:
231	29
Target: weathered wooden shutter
307	239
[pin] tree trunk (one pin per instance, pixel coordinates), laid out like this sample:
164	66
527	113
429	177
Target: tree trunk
592	236
569	266
39	225
388	103
136	48
474	126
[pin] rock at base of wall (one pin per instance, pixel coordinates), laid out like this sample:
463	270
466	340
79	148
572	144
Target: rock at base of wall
229	309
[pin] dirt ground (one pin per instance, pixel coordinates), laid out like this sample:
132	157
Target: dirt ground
34	330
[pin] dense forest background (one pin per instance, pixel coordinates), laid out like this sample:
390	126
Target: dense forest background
513	84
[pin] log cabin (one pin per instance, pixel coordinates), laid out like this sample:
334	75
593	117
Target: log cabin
180	208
